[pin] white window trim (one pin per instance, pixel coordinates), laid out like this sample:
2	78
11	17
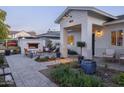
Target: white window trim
116	39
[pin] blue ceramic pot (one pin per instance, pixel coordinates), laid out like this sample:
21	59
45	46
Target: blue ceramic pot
89	66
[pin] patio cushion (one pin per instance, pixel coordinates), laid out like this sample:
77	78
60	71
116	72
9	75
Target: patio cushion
121	57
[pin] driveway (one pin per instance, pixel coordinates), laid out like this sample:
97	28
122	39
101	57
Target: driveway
26	72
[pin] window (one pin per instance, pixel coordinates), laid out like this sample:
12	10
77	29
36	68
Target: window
120	38
71	40
33	45
113	38
117	38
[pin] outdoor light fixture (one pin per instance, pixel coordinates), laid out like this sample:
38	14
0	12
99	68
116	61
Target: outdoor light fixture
23	38
122	33
99	33
66	16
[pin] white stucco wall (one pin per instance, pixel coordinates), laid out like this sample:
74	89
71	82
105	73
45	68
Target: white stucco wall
77	16
87	22
115	27
23	43
100	42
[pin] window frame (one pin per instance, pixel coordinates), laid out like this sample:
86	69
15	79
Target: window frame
116	37
69	41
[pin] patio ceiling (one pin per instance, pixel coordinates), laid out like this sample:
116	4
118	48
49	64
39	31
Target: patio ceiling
74	28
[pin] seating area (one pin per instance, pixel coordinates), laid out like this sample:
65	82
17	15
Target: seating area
113	55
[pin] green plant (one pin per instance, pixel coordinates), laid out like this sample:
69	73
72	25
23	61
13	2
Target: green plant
119	79
38	59
52	58
66	76
4	28
72	52
1	60
81	45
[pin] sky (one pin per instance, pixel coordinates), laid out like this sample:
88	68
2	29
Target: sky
41	18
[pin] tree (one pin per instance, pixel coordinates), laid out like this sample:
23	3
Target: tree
4	28
81	45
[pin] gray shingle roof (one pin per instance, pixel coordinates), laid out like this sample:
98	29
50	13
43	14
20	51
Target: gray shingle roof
50	34
120	17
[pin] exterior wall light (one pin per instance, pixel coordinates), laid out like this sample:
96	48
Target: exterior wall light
66	16
122	33
99	33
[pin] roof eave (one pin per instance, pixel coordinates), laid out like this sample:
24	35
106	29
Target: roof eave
114	22
84	8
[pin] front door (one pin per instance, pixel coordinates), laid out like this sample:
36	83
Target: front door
93	44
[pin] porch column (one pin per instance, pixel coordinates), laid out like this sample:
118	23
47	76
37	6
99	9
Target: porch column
63	40
86	36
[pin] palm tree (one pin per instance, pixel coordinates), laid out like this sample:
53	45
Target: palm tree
4	28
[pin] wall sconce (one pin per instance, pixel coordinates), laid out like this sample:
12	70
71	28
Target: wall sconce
99	33
122	33
66	16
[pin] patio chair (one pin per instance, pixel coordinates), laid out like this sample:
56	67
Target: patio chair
121	57
109	54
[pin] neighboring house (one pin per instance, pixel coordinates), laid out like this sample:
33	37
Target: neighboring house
30	43
16	34
53	36
100	31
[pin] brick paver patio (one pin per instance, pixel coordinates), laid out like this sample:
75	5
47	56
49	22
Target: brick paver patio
26	72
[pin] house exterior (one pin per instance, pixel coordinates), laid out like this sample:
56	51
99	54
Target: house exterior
16	34
53	36
30	43
100	31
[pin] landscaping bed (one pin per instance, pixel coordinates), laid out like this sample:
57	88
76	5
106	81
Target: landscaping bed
6	78
45	59
71	75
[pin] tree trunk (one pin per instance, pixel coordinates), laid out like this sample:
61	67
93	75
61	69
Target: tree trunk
81	51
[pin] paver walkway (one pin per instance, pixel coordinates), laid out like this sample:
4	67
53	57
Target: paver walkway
26	72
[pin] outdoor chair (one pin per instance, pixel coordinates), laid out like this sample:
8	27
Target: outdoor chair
109	54
121	57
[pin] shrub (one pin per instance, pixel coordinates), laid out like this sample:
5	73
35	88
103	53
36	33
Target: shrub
81	45
52	58
119	79
38	59
66	76
1	60
72	52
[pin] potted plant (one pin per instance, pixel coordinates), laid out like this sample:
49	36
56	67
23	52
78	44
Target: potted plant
88	65
81	45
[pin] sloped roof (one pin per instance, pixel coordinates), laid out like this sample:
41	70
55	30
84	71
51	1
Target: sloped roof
93	9
119	20
120	17
50	34
15	32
